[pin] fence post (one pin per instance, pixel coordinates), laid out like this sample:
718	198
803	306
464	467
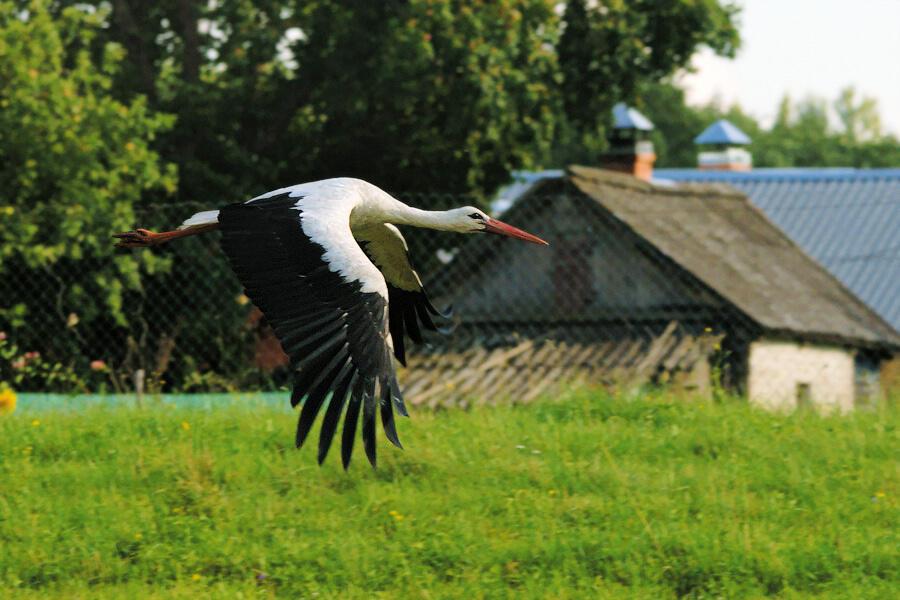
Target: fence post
139	386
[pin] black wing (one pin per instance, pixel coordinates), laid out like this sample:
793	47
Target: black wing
335	334
410	310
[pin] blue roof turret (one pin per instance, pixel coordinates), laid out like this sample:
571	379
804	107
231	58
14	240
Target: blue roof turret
625	117
723	132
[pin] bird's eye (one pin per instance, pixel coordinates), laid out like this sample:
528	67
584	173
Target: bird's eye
476	216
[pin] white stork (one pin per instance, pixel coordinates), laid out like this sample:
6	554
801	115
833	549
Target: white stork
327	266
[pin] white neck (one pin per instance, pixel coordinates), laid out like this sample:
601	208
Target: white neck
432	219
378	206
381	207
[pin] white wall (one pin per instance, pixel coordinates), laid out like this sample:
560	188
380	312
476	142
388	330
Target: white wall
777	368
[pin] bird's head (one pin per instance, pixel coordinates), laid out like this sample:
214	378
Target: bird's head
469	219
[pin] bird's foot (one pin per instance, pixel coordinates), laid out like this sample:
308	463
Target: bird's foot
139	238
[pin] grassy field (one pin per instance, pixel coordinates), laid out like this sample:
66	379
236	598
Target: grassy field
584	496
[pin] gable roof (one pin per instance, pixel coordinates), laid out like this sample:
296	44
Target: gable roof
719	237
846	219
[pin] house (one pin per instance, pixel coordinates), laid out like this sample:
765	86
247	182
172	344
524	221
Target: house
846	219
649	282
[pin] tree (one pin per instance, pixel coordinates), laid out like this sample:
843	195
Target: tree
802	135
73	163
610	50
422	95
417	95
435	96
676	124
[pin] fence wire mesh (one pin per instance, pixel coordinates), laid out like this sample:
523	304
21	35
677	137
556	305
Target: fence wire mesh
606	302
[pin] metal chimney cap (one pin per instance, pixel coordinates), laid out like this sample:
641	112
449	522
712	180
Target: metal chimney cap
723	132
625	117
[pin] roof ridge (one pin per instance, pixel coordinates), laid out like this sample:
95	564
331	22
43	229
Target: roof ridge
630	182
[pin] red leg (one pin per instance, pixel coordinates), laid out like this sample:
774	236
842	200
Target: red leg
144	238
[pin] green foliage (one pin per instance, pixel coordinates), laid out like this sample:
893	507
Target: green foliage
609	50
20	369
587	496
434	96
73	163
801	136
417	96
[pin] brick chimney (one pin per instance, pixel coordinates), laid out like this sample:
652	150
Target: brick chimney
720	148
630	149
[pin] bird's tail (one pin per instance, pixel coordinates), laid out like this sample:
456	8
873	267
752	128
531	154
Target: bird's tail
207	217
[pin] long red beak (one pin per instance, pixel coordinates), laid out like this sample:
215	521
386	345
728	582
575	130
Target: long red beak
495	226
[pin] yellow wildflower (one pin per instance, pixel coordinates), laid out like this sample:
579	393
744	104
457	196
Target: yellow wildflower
185	425
36	423
7	400
397	516
196	576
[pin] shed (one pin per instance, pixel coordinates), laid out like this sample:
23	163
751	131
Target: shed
642	282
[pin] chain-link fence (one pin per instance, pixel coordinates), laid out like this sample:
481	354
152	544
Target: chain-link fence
691	288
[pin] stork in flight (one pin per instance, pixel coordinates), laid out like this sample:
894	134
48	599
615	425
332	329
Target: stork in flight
327	266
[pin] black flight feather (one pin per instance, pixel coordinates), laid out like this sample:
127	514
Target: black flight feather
319	390
387	414
368	421
350	420
398	397
333	412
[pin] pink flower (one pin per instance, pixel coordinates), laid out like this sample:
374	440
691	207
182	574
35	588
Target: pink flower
2	335
18	363
98	365
32	355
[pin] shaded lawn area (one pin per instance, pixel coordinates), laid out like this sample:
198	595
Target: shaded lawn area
581	496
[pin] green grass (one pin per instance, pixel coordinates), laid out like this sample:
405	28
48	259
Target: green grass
585	496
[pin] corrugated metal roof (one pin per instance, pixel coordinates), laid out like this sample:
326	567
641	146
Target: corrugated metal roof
780	174
722	132
847	219
521	183
625	117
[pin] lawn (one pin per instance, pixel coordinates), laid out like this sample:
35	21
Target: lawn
581	496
